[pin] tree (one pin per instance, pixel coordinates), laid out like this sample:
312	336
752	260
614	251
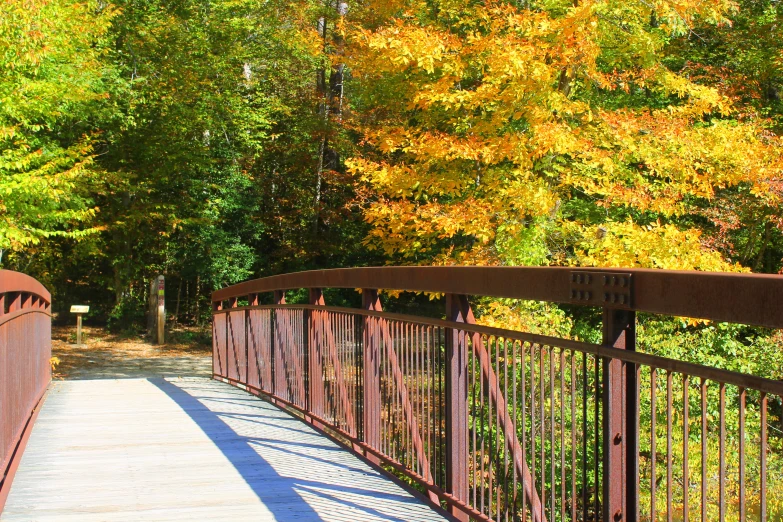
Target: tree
56	91
554	132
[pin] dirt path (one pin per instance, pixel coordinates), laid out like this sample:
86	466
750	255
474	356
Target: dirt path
111	356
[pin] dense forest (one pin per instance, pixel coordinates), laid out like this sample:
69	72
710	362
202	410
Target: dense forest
216	141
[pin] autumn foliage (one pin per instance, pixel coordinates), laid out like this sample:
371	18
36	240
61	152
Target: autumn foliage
220	141
552	133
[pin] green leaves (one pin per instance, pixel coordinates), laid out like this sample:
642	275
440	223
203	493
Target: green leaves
52	89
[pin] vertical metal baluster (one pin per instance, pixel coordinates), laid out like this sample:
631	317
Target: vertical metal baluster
573	435
498	442
430	410
483	492
562	436
399	446
436	394
473	452
492	439
523	359
508	428
420	390
385	398
400	355
514	507
703	450
552	488
653	437
345	367
763	458
542	414
685	437
406	361
411	387
722	450
598	423
669	456
533	423
636	426
584	436
742	399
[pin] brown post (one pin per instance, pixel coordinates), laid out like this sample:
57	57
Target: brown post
314	353
372	371
278	298
457	310
216	307
620	425
78	329
252	300
2	304
160	320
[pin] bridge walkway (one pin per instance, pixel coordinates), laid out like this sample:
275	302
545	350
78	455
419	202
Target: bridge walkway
191	449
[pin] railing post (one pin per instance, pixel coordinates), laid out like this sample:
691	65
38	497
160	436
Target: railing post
371	340
278	298
457	310
231	337
620	420
314	353
216	307
252	300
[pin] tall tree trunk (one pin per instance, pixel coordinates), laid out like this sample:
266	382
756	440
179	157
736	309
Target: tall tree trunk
331	105
176	308
197	296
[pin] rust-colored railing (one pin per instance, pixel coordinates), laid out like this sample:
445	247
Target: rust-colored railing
25	370
504	425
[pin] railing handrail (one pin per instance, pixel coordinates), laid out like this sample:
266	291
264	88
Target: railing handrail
11	281
455	368
753	299
25	367
655	361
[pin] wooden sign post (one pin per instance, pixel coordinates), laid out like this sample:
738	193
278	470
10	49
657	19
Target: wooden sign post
161	319
79	310
156	321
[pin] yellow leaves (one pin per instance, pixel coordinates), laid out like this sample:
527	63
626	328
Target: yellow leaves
495	119
655	161
402	46
652	246
701	100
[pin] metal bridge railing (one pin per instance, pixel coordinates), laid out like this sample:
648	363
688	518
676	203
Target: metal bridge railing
25	371
502	425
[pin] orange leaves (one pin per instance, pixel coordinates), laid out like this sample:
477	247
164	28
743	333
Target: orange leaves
500	114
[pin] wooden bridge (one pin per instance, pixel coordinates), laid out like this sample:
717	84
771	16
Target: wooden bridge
318	412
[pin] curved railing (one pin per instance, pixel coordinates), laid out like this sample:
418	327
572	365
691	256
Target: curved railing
25	370
503	425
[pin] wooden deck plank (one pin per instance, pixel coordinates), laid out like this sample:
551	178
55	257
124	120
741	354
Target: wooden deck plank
190	449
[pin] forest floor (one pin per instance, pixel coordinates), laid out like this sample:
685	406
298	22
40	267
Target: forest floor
107	355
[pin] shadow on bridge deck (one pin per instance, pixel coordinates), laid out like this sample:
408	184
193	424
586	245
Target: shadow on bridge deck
195	449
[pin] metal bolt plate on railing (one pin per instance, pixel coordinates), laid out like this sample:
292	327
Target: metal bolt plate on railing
606	289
